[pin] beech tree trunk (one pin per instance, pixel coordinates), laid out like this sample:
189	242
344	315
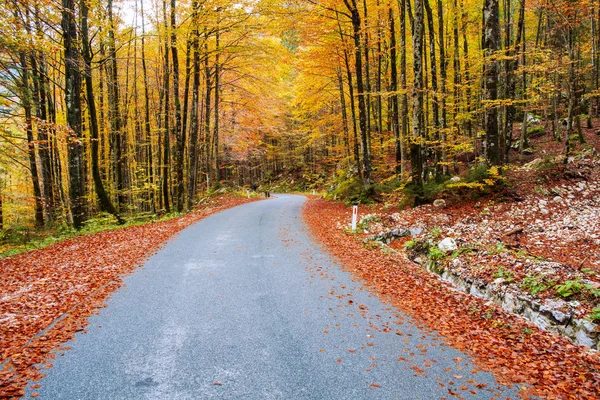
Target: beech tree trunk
394	118
179	134
166	142
104	202
75	151
207	108
351	95
360	88
434	86
491	44
26	94
404	87
215	142
116	123
418	131
344	111
443	80
147	130
41	89
194	117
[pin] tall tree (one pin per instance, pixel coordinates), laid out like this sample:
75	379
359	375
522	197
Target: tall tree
147	128
195	110
75	151
26	93
355	152
418	123
179	133
395	123
103	199
43	104
360	88
166	147
215	139
491	45
116	122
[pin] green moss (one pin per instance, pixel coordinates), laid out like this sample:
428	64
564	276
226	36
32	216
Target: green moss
536	131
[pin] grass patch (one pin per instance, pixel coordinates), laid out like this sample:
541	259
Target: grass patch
20	239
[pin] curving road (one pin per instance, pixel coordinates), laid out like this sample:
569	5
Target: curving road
244	305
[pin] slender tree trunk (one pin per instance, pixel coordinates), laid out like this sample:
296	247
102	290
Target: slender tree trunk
186	94
394	118
367	77
443	80
73	107
179	134
60	198
434	86
510	78
523	143
207	109
27	108
215	151
571	91
360	88
351	95
147	130
418	132
40	79
456	70
467	80
194	117
594	66
116	122
404	87
378	85
103	199
166	141
344	111
491	44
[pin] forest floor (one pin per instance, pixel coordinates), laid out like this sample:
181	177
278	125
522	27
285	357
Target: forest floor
538	234
46	295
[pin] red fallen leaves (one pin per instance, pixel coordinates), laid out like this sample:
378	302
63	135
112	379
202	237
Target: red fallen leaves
64	284
562	371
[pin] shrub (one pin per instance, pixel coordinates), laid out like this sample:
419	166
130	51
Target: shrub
536	131
435	253
534	284
477	174
595	314
569	288
349	190
502	273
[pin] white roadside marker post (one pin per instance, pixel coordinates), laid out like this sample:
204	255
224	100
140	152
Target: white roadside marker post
354	216
248	193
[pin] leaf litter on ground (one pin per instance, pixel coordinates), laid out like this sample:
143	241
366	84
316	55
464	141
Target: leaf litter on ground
543	363
46	295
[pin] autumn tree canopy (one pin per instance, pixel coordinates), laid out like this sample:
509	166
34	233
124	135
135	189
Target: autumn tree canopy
143	106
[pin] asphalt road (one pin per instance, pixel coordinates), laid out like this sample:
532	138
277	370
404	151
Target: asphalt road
245	305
